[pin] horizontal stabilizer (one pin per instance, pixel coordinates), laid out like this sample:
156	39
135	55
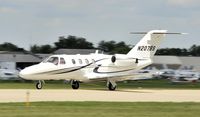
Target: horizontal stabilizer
158	33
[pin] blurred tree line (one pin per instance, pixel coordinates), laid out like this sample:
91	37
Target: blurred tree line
73	42
110	47
194	50
9	47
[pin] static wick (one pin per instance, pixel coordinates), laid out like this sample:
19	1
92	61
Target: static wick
27	98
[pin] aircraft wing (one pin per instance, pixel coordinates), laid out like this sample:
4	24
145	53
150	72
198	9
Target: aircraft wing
134	76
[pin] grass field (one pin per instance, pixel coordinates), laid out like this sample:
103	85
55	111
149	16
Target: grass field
100	109
154	83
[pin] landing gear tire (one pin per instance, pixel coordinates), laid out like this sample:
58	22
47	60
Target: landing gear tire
75	84
39	85
111	87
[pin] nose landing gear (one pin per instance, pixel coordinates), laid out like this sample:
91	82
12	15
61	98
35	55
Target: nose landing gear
39	84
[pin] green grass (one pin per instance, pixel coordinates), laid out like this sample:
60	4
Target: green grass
159	84
154	84
100	109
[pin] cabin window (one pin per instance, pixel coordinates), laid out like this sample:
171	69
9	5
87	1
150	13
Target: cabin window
53	60
80	61
86	61
62	61
73	61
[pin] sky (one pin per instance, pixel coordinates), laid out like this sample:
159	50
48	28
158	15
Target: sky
28	22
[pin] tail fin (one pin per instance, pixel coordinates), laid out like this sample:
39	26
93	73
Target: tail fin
147	46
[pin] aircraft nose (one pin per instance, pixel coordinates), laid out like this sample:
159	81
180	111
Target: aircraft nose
24	73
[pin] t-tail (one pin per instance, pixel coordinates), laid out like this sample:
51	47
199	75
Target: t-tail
147	46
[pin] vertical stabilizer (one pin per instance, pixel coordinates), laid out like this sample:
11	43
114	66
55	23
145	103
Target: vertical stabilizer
147	46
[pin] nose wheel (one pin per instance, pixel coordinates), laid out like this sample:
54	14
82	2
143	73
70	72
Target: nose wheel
75	84
39	85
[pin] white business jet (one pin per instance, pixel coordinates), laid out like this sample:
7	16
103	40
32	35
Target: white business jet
97	67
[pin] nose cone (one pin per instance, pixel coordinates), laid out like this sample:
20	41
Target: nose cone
27	73
24	73
34	72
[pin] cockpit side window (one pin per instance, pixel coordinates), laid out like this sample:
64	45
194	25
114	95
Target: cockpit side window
53	60
62	61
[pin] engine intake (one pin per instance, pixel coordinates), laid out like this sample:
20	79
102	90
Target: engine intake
113	59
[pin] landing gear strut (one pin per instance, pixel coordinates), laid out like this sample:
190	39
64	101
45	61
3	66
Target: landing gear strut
75	84
39	84
111	86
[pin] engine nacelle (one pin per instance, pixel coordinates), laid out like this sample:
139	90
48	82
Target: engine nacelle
123	60
113	59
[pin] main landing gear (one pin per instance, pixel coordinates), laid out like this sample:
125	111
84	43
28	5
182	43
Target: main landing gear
74	84
39	84
111	85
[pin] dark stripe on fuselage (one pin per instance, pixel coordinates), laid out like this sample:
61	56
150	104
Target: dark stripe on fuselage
53	71
72	69
67	70
96	70
81	67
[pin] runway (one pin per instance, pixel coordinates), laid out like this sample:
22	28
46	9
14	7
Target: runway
136	95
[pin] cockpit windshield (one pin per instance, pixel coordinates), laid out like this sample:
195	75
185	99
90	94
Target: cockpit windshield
53	60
